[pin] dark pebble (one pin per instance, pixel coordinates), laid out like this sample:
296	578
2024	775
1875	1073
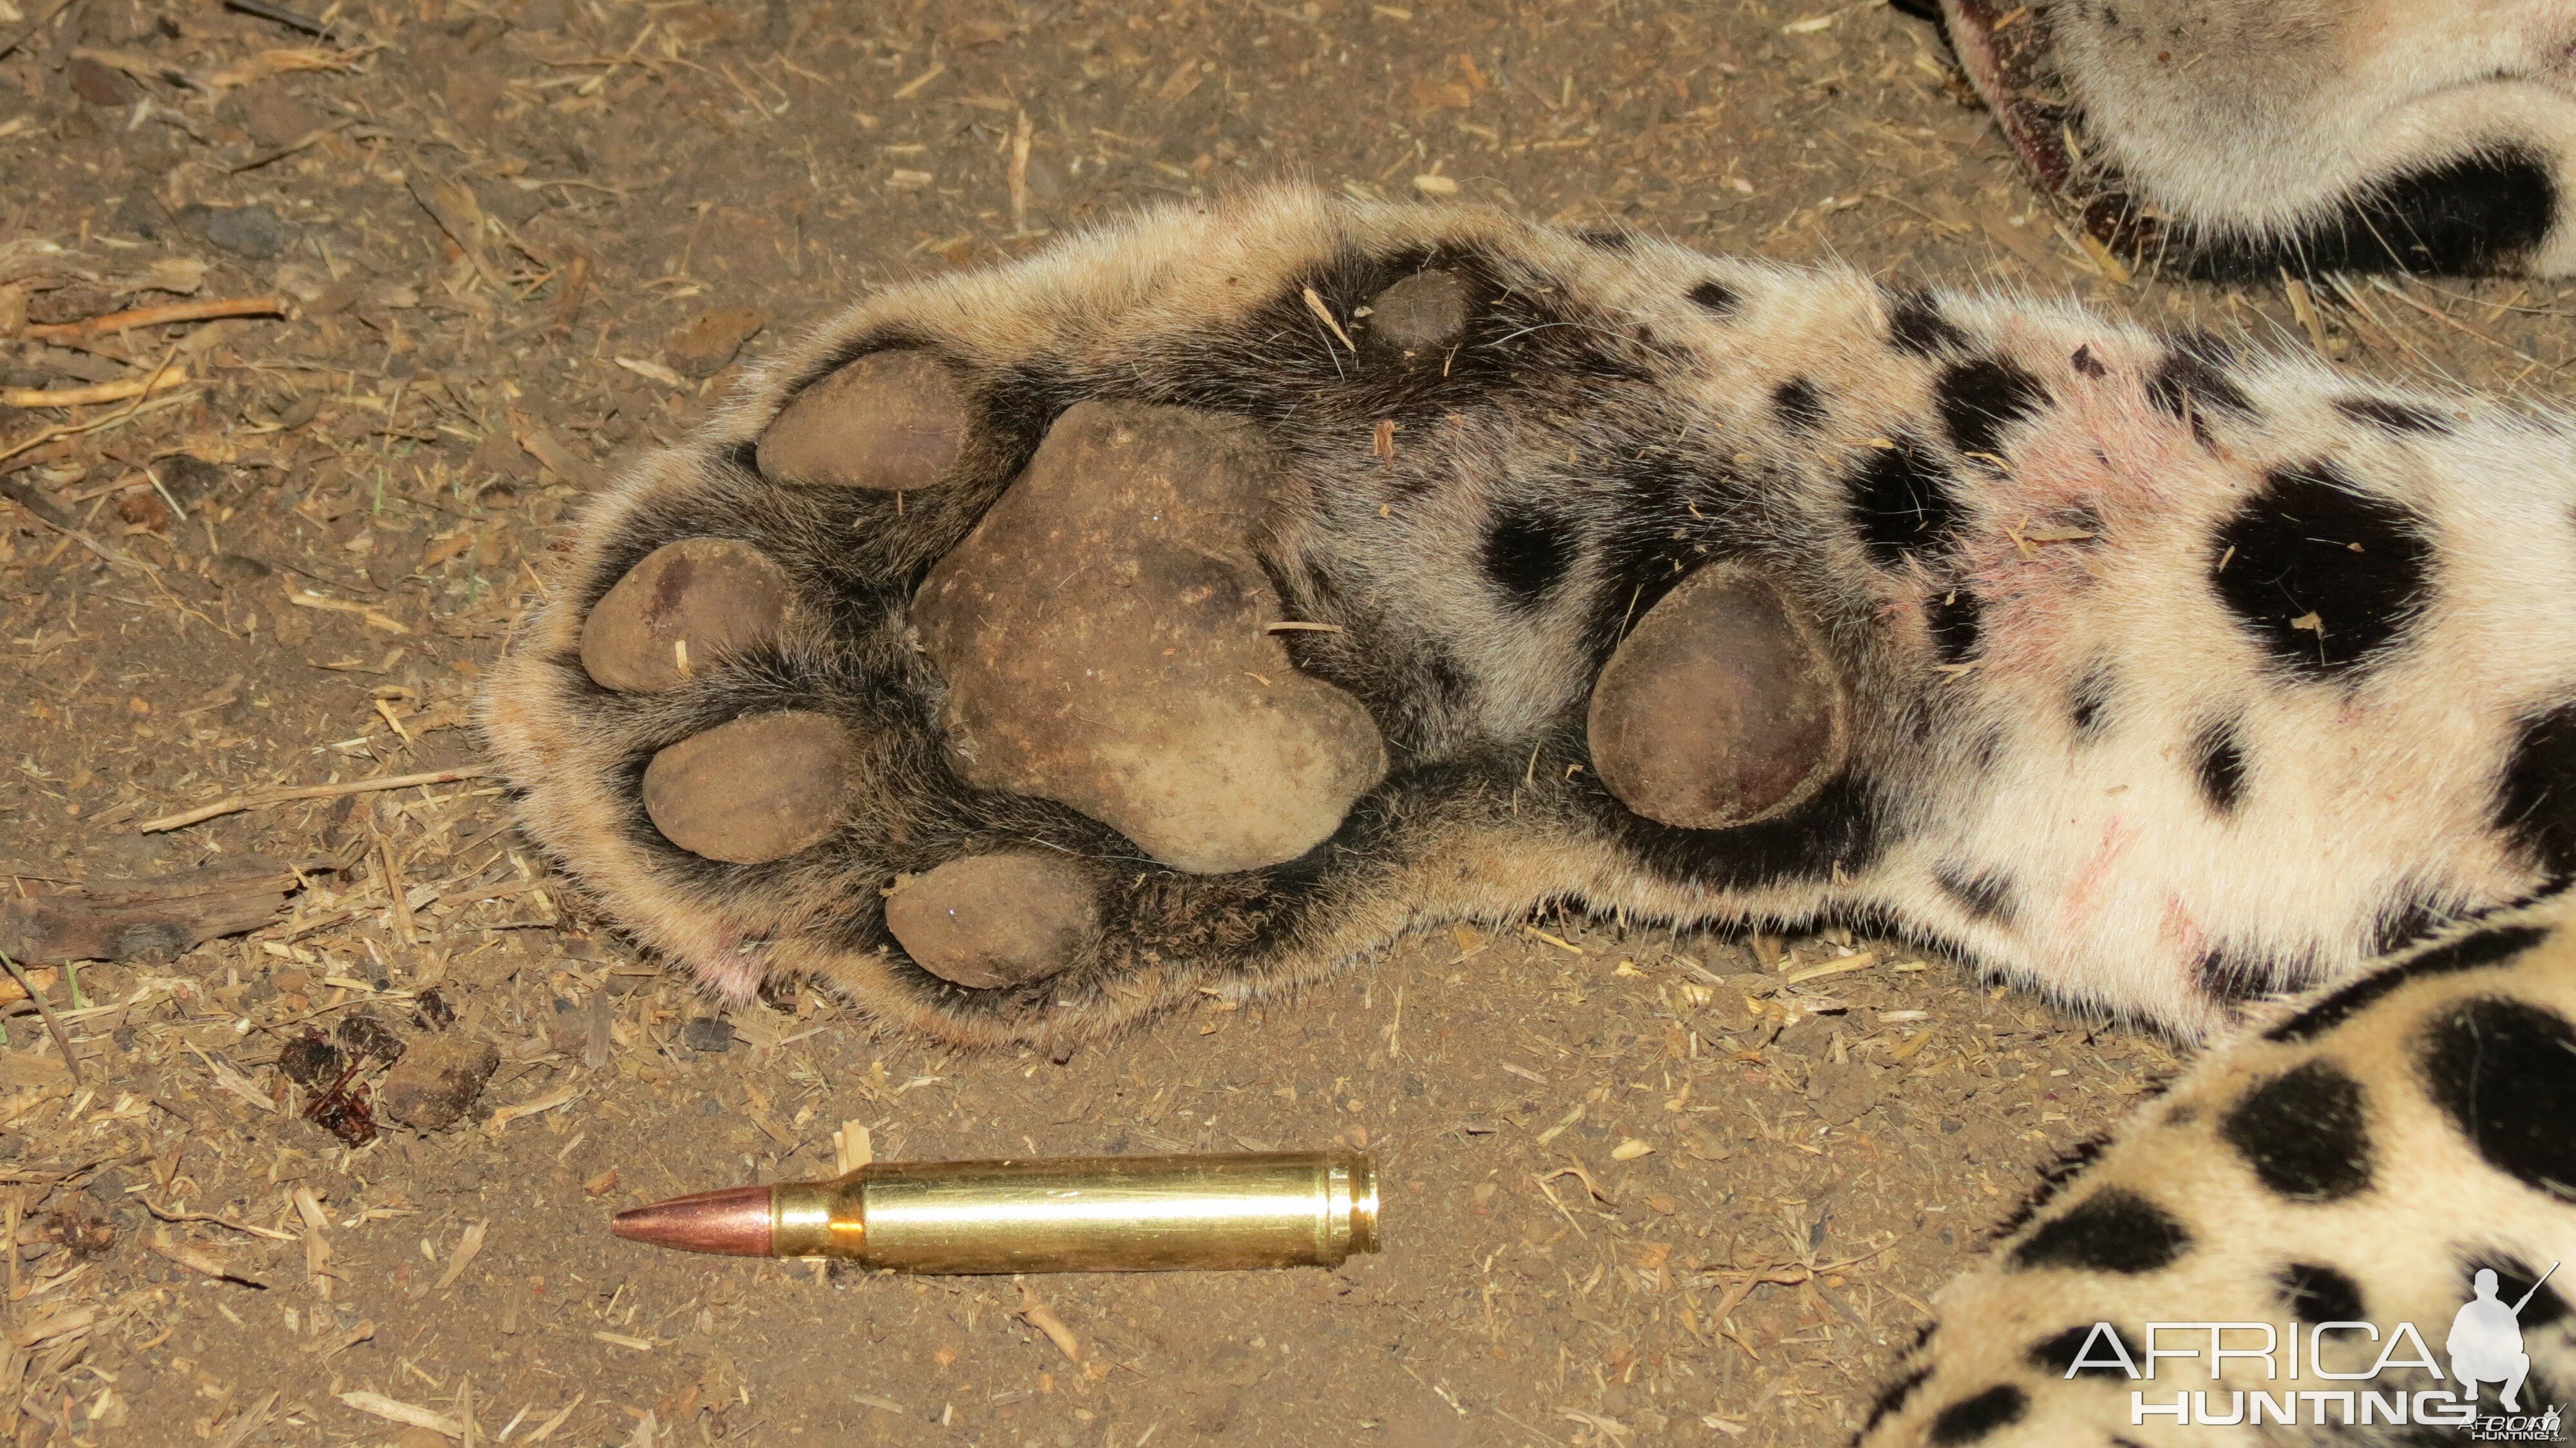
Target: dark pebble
311	1062
433	1011
367	1036
100	84
707	1033
252	231
232	570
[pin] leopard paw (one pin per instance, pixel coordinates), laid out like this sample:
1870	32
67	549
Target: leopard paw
1195	607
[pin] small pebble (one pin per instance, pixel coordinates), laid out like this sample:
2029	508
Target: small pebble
275	118
311	1062
703	347
367	1036
232	570
252	231
711	1034
100	84
438	1081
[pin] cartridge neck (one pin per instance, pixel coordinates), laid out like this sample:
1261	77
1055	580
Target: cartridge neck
810	1220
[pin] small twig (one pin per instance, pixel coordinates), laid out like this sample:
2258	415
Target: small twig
1315	304
235	804
1042	1317
119	390
114	419
2454	323
38	504
394	890
265	158
267	306
280	15
53	1025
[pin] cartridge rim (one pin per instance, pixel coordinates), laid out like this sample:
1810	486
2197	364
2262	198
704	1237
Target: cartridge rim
1354	1192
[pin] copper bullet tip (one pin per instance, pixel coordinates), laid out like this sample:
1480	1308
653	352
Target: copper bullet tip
735	1222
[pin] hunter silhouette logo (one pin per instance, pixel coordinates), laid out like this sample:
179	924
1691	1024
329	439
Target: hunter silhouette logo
2486	1340
2337	1374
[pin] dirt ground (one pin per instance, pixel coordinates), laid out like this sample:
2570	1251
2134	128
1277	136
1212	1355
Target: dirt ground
1638	1189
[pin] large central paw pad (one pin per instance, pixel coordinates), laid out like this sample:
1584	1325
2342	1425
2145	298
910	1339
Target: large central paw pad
1105	637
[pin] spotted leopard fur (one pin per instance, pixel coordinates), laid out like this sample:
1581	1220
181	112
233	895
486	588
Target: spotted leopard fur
2358	1157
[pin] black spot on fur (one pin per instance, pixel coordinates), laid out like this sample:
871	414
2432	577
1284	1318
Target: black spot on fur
2324	576
1608	238
1985	748
2088	708
1985	894
1716	298
2064	1168
2303	1133
2504	1071
2493	946
2192	381
2514	1278
1978	400
1839	827
2316	1293
2536	798
1954	620
1903	501
1915	325
2056	1355
2404	921
2480	213
1893	1397
2113	1230
2085	362
1669	514
2389	416
2232	977
2218	762
1970	1419
1527	553
1798	405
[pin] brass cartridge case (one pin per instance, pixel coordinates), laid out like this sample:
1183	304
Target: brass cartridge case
1087	1214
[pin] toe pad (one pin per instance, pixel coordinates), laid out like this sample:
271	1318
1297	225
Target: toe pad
678	610
755	790
890	420
1721	708
995	920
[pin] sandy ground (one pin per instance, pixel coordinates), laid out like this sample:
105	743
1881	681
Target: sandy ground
1639	1189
